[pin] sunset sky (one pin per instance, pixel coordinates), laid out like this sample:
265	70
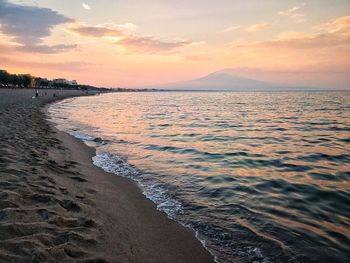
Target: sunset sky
138	43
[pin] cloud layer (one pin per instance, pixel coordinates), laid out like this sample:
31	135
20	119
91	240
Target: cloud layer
150	44
132	42
321	57
95	31
332	34
28	25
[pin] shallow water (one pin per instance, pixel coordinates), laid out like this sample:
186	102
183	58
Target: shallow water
260	176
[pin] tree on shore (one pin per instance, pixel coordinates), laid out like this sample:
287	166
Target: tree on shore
20	80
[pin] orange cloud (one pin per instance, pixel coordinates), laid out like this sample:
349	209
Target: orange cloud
334	33
324	52
259	27
194	58
54	66
338	26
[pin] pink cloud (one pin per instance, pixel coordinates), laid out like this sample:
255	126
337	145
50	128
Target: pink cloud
133	43
150	44
95	31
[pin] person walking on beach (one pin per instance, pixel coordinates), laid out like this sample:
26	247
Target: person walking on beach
36	93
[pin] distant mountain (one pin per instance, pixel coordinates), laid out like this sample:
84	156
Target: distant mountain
226	80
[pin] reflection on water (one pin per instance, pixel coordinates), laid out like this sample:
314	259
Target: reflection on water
261	176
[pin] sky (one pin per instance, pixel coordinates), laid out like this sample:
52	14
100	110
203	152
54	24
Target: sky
134	43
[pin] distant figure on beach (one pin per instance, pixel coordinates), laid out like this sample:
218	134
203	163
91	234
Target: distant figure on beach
36	93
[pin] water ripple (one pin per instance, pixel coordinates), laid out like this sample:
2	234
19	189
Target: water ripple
261	177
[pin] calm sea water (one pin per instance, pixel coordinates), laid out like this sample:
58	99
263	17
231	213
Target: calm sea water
261	177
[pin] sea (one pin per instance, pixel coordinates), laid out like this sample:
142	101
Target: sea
259	176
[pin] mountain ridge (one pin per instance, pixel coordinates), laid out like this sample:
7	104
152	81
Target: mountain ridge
227	80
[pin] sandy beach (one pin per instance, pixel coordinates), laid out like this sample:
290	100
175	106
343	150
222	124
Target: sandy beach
56	206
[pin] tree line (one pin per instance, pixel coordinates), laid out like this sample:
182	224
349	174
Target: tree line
28	81
8	80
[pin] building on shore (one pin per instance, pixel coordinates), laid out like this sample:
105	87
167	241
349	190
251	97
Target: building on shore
62	81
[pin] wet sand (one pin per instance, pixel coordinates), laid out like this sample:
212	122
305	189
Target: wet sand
56	206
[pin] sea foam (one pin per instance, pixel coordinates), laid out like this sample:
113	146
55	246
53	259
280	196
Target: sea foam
157	193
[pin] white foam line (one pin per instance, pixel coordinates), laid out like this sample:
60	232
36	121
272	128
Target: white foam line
204	244
122	168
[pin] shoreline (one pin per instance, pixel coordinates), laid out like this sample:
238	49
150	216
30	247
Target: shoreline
93	154
103	217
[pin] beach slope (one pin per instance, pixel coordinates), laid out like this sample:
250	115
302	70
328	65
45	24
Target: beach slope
56	206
